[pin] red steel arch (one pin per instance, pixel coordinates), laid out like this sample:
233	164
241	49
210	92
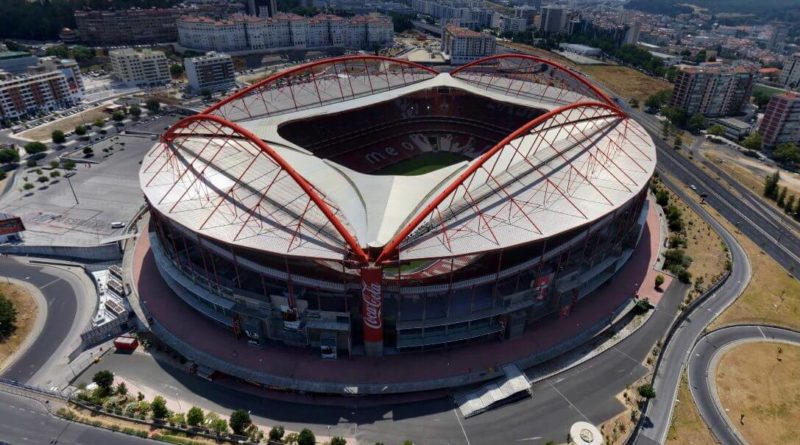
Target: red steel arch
601	95
300	68
391	247
310	191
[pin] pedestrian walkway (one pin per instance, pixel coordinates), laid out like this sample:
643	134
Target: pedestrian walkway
419	371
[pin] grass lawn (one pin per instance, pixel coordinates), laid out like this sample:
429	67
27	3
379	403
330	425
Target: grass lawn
757	380
26	318
769	91
687	425
422	164
626	82
86	118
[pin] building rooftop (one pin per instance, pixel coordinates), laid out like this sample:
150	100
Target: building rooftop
462	32
6	55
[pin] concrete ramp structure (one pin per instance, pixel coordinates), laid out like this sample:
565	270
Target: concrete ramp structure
512	386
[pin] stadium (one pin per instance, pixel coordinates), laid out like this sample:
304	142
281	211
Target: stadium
363	205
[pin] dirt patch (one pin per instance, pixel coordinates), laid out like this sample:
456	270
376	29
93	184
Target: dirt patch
762	382
750	172
27	311
86	118
626	82
538	52
687	426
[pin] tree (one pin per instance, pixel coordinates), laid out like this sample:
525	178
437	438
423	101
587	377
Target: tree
122	389
782	197
9	155
655	101
276	433
54	164
239	421
55	174
176	70
789	207
159	407
104	379
678	142
753	141
771	185
697	122
8	316
306	437
220	426
28	186
675	115
206	93
80	130
760	98
58	137
153	105
194	416
665	129
118	116
33	148
88	151
69	164
99	122
662	197
787	153
135	111
647	391
717	130
338	441
42	179
659	281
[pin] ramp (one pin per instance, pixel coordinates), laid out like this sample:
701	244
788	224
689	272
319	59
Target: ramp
512	386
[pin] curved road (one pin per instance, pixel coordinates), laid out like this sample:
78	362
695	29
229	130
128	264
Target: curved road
702	377
60	292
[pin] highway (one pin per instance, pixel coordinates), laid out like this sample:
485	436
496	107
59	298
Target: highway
702	371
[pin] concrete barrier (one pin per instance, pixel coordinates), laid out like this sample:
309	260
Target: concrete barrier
103	252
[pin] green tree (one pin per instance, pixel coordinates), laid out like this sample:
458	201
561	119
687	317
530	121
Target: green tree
88	151
54	164
153	105
42	179
118	116
104	379
760	98
159	407
8	317
9	155
697	122
28	186
662	197
753	141
782	197
55	174
659	281
276	433
678	142
220	426
34	147
194	416
176	70
665	129
135	111
69	164
239	421
80	130
717	130
58	136
789	207
771	185
306	437
787	153
675	115
647	391
122	389
338	441
99	122
206	93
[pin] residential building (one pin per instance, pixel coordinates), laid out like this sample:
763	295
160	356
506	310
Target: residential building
790	75
462	45
16	62
262	8
632	33
30	94
134	26
213	72
145	68
781	122
553	20
68	67
712	90
284	31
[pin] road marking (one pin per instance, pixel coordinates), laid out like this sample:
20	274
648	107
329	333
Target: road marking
462	426
568	401
528	439
762	332
52	282
626	355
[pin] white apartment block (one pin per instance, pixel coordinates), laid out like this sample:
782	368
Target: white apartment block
462	45
250	33
213	71
34	93
145	68
790	75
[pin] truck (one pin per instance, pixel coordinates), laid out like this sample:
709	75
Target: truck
126	343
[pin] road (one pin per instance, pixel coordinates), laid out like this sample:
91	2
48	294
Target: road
27	421
62	308
702	373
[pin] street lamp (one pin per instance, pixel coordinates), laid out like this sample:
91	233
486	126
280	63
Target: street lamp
74	195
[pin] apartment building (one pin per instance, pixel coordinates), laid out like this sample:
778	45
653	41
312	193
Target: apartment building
790	75
30	94
712	90
134	26
145	68
213	72
462	45
251	33
553	20
781	122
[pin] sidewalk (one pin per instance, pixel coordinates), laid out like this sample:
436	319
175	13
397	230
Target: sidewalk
425	370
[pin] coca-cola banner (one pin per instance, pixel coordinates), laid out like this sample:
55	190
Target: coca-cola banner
371	303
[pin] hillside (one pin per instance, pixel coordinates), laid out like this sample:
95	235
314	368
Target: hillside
763	9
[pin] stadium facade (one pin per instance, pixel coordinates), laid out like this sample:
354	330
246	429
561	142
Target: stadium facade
369	205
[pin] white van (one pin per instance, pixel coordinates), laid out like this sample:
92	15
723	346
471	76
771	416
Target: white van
117	225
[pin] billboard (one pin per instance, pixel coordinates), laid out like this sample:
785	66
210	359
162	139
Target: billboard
371	304
11	225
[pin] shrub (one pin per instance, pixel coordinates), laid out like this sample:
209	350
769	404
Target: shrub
69	164
276	433
338	441
28	186
104	379
88	151
306	437
54	164
80	130
647	391
9	155
159	408
195	416
58	136
54	174
135	111
33	148
30	163
659	281
122	389
239	421
42	179
8	316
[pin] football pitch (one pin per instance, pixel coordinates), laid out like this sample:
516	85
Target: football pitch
422	164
